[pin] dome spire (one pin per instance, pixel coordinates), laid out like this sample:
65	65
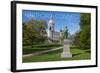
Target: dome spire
51	21
51	17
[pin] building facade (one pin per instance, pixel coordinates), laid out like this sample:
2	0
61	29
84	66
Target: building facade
53	36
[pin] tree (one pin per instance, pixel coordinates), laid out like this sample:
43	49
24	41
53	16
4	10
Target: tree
34	31
82	38
76	39
28	33
41	30
85	33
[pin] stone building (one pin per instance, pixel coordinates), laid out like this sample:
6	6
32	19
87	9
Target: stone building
53	36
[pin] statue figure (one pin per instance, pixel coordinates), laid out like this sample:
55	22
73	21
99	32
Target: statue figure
66	45
66	33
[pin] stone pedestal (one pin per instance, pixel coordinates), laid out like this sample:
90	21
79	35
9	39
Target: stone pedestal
66	49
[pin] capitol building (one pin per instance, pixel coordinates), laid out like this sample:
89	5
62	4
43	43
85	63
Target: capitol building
53	36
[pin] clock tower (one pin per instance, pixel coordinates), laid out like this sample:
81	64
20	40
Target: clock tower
50	28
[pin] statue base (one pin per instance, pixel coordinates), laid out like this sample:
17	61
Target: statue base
66	49
66	55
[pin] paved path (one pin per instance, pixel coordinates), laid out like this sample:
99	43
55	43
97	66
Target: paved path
41	52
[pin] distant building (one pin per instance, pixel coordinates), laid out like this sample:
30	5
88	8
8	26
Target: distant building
53	36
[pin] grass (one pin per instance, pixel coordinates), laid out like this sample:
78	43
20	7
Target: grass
77	54
37	48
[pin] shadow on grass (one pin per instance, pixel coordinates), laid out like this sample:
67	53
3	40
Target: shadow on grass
38	48
76	54
53	52
88	51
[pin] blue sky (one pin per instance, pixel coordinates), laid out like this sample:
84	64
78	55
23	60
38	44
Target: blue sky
61	19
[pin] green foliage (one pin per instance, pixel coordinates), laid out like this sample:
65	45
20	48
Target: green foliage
34	31
85	33
82	38
85	20
76	40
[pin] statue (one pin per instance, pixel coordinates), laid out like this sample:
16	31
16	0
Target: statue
66	33
66	45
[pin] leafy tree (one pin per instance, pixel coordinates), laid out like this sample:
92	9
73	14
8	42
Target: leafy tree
34	31
76	40
83	37
85	33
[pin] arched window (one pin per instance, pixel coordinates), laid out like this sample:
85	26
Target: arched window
50	28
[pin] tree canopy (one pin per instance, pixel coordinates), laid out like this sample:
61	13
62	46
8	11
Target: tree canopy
34	31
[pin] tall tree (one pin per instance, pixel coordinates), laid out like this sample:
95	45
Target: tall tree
82	38
85	33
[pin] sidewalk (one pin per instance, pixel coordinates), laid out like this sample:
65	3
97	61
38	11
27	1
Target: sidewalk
38	53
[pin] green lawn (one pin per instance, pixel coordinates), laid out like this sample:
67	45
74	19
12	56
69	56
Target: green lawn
77	54
37	48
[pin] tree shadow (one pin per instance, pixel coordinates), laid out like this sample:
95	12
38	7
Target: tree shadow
88	51
76	54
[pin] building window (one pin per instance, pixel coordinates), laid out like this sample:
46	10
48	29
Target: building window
50	28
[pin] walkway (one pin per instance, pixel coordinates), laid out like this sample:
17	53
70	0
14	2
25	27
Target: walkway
41	52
